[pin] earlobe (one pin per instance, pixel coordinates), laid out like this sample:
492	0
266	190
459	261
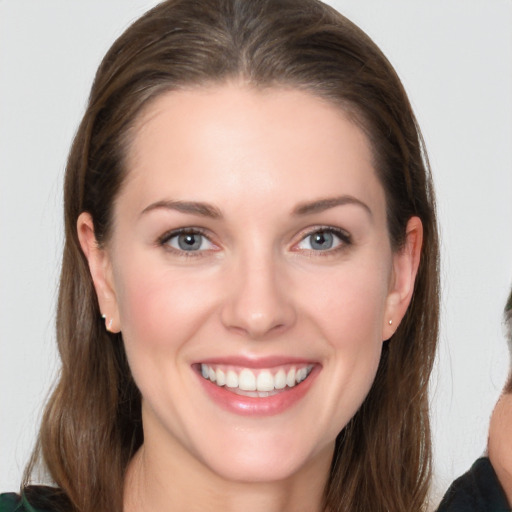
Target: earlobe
405	268
101	271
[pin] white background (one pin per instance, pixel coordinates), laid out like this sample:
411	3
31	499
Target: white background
455	59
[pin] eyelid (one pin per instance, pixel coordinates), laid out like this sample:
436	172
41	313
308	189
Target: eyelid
163	240
180	231
343	235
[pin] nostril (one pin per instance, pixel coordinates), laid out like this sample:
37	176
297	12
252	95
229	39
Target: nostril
256	305
257	326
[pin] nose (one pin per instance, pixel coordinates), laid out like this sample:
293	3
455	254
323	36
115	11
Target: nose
258	303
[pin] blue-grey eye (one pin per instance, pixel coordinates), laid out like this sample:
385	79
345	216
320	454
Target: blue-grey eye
189	242
322	240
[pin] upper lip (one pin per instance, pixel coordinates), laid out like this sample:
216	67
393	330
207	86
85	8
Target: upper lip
255	362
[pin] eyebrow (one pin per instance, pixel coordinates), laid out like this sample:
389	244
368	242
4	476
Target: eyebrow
192	207
321	205
210	211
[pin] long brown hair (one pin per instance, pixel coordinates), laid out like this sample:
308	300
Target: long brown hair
92	423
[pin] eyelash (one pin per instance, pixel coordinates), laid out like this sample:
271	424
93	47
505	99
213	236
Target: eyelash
166	237
345	240
343	236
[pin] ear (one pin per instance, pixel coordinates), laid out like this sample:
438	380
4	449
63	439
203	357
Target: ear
101	271
405	267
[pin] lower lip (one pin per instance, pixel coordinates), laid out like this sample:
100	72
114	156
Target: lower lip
255	406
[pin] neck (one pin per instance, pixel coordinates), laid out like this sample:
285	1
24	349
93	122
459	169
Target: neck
172	484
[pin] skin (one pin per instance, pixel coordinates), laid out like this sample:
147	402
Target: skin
256	289
499	447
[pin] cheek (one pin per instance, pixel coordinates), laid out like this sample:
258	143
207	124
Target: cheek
350	315
159	309
351	306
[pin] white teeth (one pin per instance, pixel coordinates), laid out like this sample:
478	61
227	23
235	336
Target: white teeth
247	380
290	378
231	379
280	380
301	375
221	378
261	382
265	381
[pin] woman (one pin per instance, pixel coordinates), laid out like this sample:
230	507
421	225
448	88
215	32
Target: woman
248	308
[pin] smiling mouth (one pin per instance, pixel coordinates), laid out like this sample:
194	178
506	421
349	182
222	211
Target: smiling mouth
259	383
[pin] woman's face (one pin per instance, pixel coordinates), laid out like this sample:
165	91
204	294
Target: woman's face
251	274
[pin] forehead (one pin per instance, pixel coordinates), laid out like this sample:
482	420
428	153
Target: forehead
234	139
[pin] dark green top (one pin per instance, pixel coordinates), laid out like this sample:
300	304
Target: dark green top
14	503
478	490
35	498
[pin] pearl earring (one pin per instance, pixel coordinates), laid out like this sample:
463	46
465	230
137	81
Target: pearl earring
108	325
390	322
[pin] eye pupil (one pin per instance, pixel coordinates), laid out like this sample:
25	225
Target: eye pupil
322	240
189	241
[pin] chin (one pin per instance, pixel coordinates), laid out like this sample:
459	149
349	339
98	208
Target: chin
265	462
256	470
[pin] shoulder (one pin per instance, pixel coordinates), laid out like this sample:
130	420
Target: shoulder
33	499
11	502
477	490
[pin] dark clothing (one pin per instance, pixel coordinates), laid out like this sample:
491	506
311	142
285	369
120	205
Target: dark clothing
35	498
478	490
14	503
